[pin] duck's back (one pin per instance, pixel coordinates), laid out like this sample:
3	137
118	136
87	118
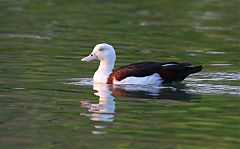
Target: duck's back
150	72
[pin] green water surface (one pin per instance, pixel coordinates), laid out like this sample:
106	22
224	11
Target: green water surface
47	98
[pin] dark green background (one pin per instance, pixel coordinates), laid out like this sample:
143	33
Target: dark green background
42	42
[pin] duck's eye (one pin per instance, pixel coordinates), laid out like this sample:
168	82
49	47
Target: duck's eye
91	54
100	49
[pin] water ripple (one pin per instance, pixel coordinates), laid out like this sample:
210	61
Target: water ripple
214	83
213	89
200	83
80	81
214	76
25	36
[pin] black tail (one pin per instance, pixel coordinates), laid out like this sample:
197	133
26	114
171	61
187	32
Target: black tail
187	71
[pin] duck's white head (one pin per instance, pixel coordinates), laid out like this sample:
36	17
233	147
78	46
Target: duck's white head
106	54
103	52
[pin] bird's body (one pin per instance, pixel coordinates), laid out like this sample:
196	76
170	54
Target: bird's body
137	73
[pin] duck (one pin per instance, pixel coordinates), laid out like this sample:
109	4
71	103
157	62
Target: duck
143	73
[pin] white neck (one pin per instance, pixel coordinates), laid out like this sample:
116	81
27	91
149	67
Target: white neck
106	65
104	70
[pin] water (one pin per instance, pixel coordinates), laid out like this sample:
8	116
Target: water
48	99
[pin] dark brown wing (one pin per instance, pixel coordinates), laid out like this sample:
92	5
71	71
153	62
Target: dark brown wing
170	71
167	70
137	70
177	72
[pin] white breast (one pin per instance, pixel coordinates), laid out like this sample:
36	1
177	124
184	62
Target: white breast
101	76
153	79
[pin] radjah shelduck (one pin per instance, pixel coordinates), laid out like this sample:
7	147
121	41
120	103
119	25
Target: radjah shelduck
137	73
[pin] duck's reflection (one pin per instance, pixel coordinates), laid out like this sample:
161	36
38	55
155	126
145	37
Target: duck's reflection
169	92
104	110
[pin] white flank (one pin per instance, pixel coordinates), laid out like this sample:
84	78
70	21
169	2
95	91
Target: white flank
153	79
